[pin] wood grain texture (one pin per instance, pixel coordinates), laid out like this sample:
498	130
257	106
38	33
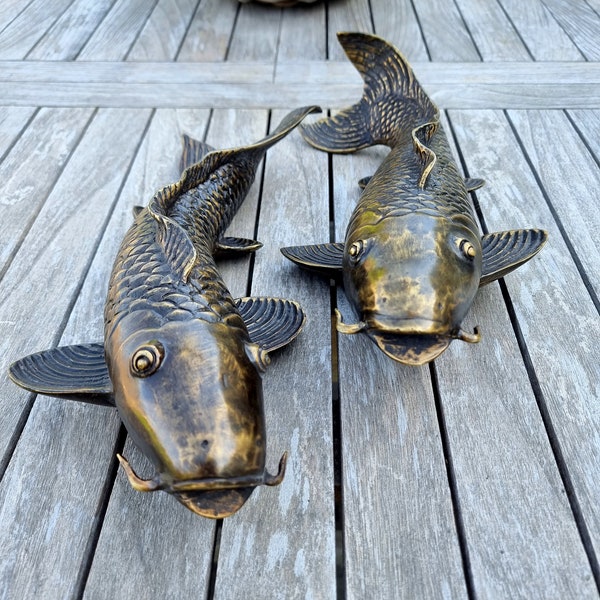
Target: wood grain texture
28	175
395	481
556	317
488	85
587	123
69	33
544	37
570	178
494	35
210	31
303	33
256	33
445	32
162	35
396	21
13	121
116	34
10	10
28	26
580	22
282	544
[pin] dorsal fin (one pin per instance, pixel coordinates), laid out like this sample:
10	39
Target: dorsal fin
199	172
421	135
177	246
193	151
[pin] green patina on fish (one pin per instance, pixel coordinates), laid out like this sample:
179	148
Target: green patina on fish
413	258
182	360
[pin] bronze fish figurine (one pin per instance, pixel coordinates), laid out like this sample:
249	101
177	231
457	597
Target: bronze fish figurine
182	360
413	258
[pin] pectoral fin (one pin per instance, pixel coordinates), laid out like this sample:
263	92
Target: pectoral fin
233	246
325	259
504	251
272	322
474	183
70	372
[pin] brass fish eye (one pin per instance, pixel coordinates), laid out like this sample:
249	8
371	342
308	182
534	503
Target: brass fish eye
355	250
467	248
147	359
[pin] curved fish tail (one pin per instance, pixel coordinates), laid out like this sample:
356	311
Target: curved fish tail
254	152
392	104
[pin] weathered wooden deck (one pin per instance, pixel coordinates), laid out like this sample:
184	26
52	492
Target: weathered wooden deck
477	477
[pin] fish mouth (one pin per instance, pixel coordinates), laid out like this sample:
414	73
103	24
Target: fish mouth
410	341
211	497
414	350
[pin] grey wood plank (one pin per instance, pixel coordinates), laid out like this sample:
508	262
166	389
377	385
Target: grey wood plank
12	122
446	34
210	31
492	32
580	22
303	33
350	15
155	84
543	36
114	37
17	39
164	31
28	175
396	21
10	10
138	527
69	33
256	33
556	318
282	543
570	177
309	73
588	125
42	511
399	530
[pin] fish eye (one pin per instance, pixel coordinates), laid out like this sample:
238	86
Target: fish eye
355	251
147	359
467	249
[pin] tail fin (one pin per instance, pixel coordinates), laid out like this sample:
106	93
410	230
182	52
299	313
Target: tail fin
393	101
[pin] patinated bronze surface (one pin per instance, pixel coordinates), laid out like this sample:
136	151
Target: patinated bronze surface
413	257
182	360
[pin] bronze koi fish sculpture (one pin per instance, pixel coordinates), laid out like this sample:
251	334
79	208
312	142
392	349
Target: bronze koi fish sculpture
182	360
413	258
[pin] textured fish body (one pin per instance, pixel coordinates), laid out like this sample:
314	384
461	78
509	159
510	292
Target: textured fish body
183	359
413	258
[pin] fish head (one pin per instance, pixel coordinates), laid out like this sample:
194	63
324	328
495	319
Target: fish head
190	395
412	280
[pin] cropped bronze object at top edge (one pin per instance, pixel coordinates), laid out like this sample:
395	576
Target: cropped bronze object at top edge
413	257
182	360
